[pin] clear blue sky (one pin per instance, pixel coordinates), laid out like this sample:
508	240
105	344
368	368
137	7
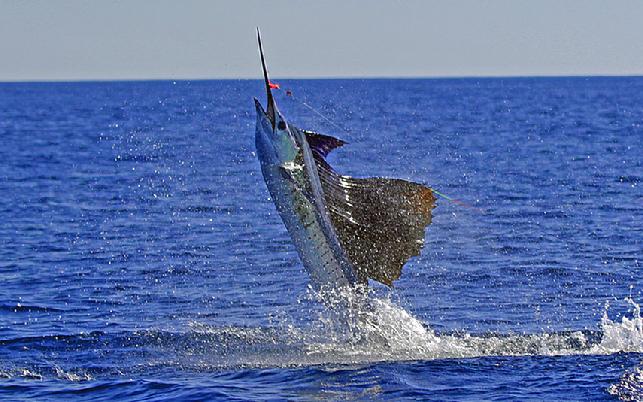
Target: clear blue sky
78	40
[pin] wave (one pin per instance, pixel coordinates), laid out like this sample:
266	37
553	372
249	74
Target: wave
386	332
382	332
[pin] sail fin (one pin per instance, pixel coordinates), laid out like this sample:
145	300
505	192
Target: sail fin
380	222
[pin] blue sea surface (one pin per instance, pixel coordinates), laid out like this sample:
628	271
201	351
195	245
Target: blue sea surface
142	258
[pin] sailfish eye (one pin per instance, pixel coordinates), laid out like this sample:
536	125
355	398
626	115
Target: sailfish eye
281	125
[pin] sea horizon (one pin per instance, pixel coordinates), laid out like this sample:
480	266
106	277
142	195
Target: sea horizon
360	78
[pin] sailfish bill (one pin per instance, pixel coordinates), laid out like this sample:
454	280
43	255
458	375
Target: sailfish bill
346	230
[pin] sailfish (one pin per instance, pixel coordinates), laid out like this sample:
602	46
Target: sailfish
346	230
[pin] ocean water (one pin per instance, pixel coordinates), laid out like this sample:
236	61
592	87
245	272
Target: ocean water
141	256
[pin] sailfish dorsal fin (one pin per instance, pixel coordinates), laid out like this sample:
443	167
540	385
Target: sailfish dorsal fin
379	222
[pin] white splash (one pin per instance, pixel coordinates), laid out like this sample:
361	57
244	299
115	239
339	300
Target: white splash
385	331
71	376
630	386
626	336
357	328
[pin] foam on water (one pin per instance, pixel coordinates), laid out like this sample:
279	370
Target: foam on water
630	386
382	331
387	332
408	338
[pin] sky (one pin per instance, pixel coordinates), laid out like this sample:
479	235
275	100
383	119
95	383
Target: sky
191	39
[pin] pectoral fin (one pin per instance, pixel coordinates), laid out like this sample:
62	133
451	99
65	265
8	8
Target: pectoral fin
322	143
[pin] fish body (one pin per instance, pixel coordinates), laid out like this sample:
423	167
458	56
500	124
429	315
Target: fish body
345	230
295	188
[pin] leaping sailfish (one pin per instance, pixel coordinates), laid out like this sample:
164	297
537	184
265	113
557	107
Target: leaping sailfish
346	230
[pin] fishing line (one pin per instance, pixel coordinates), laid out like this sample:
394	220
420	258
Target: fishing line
324	117
457	202
317	112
